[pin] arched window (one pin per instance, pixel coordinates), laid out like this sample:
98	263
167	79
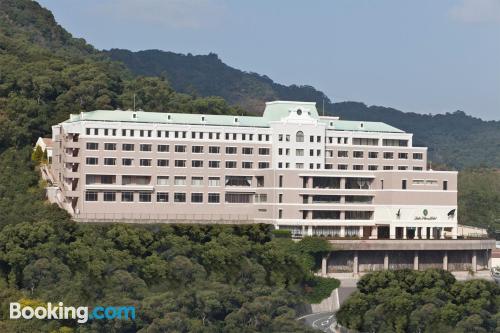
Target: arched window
299	137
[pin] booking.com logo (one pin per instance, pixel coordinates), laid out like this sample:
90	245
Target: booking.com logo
81	313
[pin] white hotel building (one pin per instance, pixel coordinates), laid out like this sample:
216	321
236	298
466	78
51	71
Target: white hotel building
290	167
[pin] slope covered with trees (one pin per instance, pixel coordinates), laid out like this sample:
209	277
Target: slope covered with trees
455	138
421	302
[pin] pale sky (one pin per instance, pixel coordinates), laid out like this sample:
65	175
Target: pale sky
422	56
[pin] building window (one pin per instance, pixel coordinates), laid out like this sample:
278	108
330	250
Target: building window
373	167
364	142
162	196
403	156
127	147
299	152
230	164
144	197
418	156
127	196
127	161
213	181
231	150
299	137
260	181
162	163
357	154
179	197
145	162
109	196
418	168
263	151
247	151
263	165
197	149
90	196
280	213
110	146
388	155
445	185
259	198
91	160
343	153
197	164
238	197
180	148
388	167
213	197
246	165
92	146
280	183
163	148
280	198
373	154
197	197
109	161
357	167
162	180
299	165
214	164
395	142
403	184
180	180
180	163
328	166
145	147
342	166
402	167
214	150
197	181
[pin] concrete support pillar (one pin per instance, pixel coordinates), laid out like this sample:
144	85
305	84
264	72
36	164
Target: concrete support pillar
309	182
441	233
374	231
324	263
303	230
342	215
454	232
361	232
392	232
416	233
404	233
386	260
488	253
309	230
342	183
445	260
342	231
424	232
355	263
415	261
431	233
474	261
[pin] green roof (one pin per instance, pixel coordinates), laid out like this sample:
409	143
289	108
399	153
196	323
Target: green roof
274	111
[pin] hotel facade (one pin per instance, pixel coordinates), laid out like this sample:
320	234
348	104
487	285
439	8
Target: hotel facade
291	167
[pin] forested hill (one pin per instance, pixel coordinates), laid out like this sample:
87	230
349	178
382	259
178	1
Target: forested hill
455	139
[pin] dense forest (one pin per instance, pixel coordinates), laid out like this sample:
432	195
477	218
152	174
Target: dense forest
456	139
421	302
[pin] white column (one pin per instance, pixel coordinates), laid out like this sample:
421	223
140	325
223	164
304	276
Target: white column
445	260
342	231
360	232
392	232
488	253
386	260
415	261
431	233
303	230
404	232
424	232
324	263
441	233
416	233
454	232
474	261
309	230
355	265
374	232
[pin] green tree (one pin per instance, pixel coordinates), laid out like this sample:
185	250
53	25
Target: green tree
37	155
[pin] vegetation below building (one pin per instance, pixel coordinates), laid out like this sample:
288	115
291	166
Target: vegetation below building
428	301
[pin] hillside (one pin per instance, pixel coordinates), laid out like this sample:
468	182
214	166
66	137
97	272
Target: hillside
455	139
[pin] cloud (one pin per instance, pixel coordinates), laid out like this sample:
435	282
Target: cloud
178	14
475	11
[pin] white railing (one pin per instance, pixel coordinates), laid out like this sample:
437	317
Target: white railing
164	218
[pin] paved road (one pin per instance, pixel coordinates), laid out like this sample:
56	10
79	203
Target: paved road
320	321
